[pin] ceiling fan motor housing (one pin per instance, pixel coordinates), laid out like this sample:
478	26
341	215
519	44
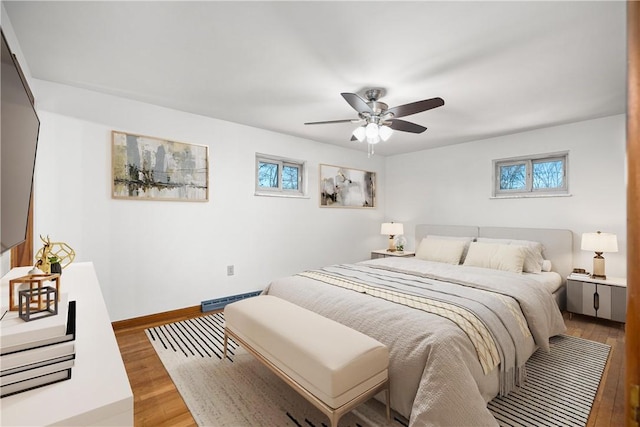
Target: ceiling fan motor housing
374	94
377	108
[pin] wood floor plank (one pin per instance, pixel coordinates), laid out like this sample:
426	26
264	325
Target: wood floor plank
157	402
608	389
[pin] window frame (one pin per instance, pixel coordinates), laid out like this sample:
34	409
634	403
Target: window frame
529	190
282	162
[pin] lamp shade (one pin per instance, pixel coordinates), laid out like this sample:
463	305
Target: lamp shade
359	133
372	131
599	242
385	132
373	140
391	228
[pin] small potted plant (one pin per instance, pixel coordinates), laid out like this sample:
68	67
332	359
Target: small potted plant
56	268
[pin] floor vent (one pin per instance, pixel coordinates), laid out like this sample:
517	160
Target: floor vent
218	303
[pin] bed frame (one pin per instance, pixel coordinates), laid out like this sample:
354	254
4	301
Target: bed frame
557	244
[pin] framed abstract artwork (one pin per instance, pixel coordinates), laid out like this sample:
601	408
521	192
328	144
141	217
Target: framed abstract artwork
148	168
342	187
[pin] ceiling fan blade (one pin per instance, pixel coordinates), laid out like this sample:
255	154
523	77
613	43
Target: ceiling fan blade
358	104
405	126
416	107
333	121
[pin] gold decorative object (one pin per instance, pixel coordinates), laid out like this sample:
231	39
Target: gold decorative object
60	250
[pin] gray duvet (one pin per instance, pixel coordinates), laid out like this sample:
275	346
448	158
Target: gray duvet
439	371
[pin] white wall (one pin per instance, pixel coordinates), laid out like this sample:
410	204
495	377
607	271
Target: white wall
156	256
452	185
159	256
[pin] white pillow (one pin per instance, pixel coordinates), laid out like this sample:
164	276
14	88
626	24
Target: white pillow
546	265
496	256
440	250
467	241
533	256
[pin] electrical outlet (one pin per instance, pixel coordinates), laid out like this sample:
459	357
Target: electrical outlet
230	271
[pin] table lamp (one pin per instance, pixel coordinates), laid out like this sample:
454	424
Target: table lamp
599	243
391	229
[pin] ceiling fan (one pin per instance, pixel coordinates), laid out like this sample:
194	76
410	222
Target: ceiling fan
378	121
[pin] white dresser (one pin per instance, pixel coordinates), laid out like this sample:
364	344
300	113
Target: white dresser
98	393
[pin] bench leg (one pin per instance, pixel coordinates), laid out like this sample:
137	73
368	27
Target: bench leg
333	420
388	393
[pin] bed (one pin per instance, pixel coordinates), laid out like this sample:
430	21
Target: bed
458	334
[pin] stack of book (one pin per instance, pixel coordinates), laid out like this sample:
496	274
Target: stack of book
38	353
580	276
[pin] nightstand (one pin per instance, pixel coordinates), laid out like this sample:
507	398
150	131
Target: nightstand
383	253
606	299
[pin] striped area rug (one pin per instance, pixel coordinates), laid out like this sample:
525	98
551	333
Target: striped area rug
240	391
560	386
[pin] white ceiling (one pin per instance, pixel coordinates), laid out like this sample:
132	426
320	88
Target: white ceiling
501	67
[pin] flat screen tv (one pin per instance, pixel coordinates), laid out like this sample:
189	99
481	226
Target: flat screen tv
18	143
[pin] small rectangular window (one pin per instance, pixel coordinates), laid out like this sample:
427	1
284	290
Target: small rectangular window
544	174
290	177
548	174
278	176
268	174
513	177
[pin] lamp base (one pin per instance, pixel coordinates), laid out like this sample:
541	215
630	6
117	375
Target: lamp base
598	267
392	245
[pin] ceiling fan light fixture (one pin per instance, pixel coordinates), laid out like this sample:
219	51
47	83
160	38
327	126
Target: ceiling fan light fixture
360	133
372	131
378	120
373	140
385	132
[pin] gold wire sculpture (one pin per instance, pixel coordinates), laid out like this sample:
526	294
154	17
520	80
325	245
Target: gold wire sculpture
56	250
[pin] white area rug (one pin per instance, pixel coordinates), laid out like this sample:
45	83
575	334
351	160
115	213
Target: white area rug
241	392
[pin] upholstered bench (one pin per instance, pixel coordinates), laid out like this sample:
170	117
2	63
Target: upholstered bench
331	365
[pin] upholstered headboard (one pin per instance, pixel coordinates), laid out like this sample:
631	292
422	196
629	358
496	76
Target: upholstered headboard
557	243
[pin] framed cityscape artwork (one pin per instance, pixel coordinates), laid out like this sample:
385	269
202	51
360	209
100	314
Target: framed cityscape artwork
148	168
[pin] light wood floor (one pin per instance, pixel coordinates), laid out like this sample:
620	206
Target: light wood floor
158	403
